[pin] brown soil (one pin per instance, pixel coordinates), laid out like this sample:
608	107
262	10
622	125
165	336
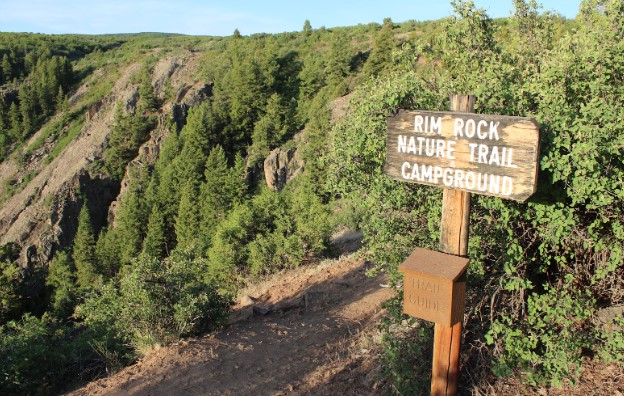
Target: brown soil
315	339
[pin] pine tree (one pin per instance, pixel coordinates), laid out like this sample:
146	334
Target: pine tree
339	63
197	137
84	251
15	122
188	218
27	107
130	223
307	28
62	279
213	192
146	92
269	131
381	56
222	189
108	253
154	243
60	102
168	198
6	69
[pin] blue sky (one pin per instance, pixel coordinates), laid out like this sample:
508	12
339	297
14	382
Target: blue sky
220	18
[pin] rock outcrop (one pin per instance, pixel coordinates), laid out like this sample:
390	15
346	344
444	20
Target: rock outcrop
281	166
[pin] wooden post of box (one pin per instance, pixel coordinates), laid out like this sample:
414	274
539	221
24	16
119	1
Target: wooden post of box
434	286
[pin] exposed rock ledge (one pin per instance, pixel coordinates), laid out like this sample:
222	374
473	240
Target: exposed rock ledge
281	166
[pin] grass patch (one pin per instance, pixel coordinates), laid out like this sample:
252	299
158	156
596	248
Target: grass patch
72	132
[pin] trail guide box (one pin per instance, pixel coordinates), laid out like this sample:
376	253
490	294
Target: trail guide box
434	286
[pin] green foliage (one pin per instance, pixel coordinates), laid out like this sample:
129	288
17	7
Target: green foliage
270	130
272	232
83	252
62	280
188	218
37	93
530	260
155	243
381	56
130	223
108	253
547	346
146	92
612	337
407	344
196	222
30	352
307	27
157	302
223	187
129	132
11	279
37	356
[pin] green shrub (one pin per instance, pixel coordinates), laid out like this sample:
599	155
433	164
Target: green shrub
157	302
37	356
529	261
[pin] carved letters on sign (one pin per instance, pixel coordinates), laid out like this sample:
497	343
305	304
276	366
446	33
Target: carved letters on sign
434	285
490	155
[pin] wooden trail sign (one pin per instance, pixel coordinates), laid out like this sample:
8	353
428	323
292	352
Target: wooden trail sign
461	152
484	154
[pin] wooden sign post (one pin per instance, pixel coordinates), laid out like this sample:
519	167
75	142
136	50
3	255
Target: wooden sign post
462	152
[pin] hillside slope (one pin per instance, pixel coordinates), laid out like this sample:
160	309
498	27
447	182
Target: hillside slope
42	217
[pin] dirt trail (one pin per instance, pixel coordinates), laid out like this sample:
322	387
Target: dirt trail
314	340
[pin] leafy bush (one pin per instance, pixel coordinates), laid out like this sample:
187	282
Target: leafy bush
529	261
157	302
38	355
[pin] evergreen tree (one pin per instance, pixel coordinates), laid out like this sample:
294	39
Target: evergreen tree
269	131
62	279
381	56
11	283
155	241
129	132
27	107
223	189
339	63
60	102
108	253
213	192
197	136
169	200
83	251
130	223
15	122
6	69
146	92
188	218
307	28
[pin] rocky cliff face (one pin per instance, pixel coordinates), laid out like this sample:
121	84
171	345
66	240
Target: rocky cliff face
42	217
281	166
